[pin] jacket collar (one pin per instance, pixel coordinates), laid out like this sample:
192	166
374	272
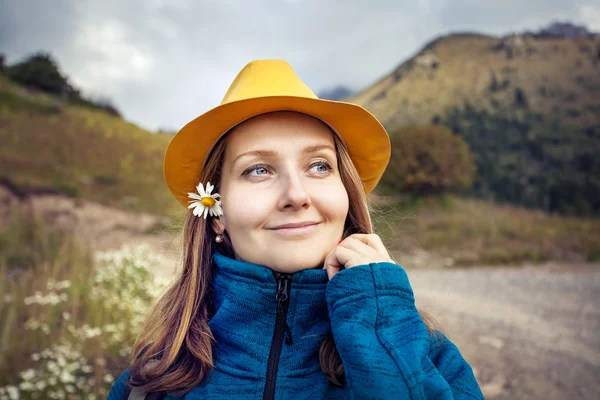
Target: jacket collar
245	313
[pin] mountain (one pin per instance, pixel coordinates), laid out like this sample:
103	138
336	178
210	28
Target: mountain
336	93
554	76
528	106
565	30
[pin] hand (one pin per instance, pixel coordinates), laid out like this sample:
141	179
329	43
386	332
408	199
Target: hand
356	249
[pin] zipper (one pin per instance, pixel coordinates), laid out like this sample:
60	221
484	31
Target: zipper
282	296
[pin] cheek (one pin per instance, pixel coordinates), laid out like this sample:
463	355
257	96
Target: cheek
245	210
333	203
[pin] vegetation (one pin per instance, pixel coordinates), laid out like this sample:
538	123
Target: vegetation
527	105
427	160
455	231
532	160
69	316
40	71
80	152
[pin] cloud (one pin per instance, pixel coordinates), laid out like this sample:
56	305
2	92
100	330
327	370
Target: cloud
589	14
166	62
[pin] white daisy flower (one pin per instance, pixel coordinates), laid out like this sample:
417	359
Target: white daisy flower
205	202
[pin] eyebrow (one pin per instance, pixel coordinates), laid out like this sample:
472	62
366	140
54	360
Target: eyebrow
269	153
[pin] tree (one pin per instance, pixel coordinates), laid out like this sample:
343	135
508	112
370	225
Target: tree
531	159
428	160
41	71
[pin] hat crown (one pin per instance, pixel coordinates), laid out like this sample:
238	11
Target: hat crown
265	78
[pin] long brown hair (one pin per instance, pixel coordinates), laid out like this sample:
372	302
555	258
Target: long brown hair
174	352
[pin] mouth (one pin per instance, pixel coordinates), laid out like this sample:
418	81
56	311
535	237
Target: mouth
299	229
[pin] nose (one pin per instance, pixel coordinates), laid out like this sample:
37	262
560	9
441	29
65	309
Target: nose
293	194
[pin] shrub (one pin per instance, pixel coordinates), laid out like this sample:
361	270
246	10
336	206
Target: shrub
41	71
428	160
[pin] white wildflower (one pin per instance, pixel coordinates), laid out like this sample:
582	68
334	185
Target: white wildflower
205	202
63	285
28	375
13	392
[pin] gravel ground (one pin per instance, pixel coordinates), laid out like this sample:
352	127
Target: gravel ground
529	333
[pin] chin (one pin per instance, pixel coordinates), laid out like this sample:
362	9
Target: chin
297	260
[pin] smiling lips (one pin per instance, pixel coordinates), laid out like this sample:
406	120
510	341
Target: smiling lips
296	229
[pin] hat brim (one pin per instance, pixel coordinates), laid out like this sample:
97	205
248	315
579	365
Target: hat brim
366	139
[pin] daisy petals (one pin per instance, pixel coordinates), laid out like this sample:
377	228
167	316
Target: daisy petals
194	196
199	209
200	190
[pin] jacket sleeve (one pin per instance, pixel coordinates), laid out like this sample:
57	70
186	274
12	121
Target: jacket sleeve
117	392
384	343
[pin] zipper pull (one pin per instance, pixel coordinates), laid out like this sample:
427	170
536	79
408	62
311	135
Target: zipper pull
282	287
281	296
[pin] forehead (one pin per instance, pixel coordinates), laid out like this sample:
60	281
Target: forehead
287	130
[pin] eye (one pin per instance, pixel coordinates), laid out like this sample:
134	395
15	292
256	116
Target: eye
322	167
260	169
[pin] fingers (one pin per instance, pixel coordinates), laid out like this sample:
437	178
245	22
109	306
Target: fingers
371	240
357	245
356	249
342	256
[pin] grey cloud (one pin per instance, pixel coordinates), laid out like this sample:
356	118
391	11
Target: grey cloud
167	62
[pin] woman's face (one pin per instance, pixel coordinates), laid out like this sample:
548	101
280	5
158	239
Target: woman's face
280	169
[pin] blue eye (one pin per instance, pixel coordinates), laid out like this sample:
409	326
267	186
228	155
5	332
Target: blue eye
324	167
263	169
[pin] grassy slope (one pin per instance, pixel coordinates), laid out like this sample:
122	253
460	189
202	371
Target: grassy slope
558	76
476	232
50	147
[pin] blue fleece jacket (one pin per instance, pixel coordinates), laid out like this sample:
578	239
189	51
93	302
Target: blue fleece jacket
385	347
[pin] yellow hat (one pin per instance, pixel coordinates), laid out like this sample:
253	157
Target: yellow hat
272	85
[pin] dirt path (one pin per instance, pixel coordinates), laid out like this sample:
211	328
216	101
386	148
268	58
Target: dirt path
104	228
530	333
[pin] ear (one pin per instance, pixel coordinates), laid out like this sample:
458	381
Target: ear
217	225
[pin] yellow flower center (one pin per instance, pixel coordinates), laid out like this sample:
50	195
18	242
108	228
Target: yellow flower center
207	201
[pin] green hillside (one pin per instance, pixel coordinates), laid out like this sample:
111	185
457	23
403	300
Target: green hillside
51	147
527	106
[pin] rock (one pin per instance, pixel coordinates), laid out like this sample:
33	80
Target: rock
427	59
515	45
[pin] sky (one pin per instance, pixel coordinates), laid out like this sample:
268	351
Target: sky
164	62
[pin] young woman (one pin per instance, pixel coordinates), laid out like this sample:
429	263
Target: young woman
285	291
